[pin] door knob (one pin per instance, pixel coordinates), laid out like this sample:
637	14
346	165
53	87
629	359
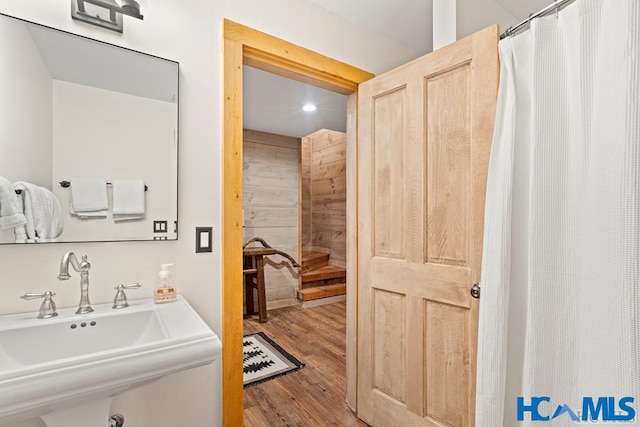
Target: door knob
475	290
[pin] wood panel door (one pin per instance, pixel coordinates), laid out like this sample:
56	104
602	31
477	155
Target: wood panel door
424	135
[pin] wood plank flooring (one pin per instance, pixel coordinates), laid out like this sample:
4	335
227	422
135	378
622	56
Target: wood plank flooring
315	395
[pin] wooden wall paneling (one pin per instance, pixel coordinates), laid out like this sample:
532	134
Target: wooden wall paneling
326	238
262	195
271	179
328	186
328	192
267	216
334	153
266	138
276	237
305	170
268	154
271	175
330	170
330	204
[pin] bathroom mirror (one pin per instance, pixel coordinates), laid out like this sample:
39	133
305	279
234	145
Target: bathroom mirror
73	107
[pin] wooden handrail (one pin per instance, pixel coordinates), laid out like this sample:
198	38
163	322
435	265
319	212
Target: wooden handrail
266	245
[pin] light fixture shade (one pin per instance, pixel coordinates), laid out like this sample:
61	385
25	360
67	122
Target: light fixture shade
99	15
309	107
131	7
105	13
110	3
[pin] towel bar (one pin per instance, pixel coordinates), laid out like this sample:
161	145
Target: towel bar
67	184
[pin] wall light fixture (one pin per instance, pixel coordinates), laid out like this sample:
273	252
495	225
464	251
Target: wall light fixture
105	13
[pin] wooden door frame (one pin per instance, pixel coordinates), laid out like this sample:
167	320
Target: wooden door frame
245	46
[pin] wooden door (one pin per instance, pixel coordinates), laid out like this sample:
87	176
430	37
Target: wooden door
424	135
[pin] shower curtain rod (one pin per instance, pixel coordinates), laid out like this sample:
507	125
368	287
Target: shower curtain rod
554	7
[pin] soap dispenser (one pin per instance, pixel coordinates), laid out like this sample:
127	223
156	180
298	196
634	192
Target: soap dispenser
165	291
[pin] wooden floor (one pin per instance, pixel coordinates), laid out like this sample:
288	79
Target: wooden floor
315	395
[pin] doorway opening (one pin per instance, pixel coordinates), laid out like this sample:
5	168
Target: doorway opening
294	198
294	191
245	46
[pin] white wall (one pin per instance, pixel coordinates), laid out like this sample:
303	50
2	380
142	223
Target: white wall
453	22
474	15
444	23
25	108
99	133
25	111
188	31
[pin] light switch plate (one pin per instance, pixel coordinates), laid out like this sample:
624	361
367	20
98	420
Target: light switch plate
203	239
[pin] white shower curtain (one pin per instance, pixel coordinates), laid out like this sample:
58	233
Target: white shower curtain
560	304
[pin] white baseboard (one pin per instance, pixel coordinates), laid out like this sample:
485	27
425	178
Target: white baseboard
323	301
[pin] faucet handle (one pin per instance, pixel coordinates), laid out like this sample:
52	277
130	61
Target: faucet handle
129	286
30	295
120	300
48	306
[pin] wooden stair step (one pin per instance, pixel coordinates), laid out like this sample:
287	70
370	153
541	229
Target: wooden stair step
312	260
318	292
326	282
324	273
311	255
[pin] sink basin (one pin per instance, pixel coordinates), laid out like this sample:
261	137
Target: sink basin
33	343
47	364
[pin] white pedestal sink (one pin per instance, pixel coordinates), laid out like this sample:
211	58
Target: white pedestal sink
67	369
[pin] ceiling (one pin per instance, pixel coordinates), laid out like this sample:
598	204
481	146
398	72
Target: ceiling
80	60
410	22
273	104
523	8
407	22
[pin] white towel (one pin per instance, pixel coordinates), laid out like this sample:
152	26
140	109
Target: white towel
128	199
88	198
42	211
11	214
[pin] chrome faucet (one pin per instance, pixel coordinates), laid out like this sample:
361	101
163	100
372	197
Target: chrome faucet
82	268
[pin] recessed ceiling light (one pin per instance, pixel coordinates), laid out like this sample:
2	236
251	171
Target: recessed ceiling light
309	107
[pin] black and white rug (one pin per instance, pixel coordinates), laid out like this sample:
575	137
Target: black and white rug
265	360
